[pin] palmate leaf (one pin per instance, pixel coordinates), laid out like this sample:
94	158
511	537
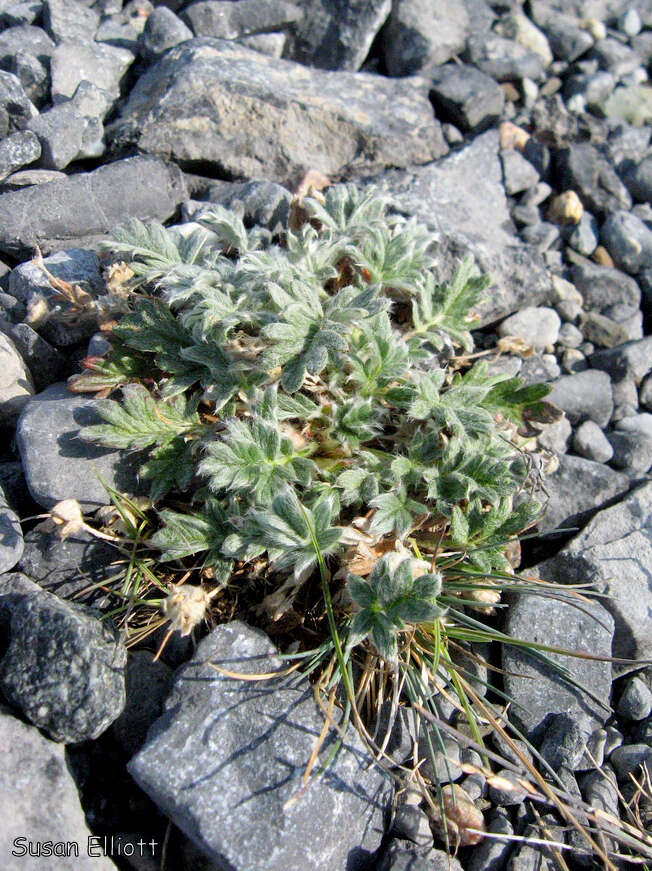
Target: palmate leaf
203	532
141	420
171	466
395	512
395	258
512	398
378	356
389	601
347	211
289	531
150	249
484	532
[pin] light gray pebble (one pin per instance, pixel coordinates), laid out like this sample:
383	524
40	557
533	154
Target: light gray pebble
589	441
569	336
636	701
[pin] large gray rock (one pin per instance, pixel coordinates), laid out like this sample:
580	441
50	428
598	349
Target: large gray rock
335	35
421	34
89	204
58	464
614	552
70	19
503	59
584	396
17	150
462	200
577	489
249	115
64	669
39	802
227	756
11	536
75	62
603	287
534	685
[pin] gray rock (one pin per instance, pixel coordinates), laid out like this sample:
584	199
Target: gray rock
615	57
573	361
569	336
600	791
64	669
462	200
122	31
585	236
564	742
635	702
533	857
334	35
11	536
590	442
503	59
602	331
400	857
584	396
422	34
197	103
594	88
59	134
58	464
555	436
18	12
614	553
102	65
410	823
602	286
542	236
518	173
535	686
198	764
32	74
15	106
640	424
25	38
517	26
567	41
632	452
162	31
69	567
147	684
629	22
441	757
491	853
629	317
16	386
584	169
86	205
627	759
91	101
17	150
262	203
537	327
42	804
506	796
577	489
631	359
271	44
471	99
70	19
221	19
639	180
28	177
645	393
628	241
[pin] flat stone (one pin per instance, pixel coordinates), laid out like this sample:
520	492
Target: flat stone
222	19
503	59
102	65
577	489
584	396
64	669
70	19
11	536
471	99
334	35
627	759
28	177
198	764
584	169
614	552
602	286
58	464
628	241
254	116
16	385
614	56
42	804
421	34
461	199
534	685
86	205
591	443
555	436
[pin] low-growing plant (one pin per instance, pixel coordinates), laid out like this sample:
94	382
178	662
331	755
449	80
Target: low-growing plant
319	456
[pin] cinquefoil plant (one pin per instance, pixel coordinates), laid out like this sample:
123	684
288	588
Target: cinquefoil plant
304	397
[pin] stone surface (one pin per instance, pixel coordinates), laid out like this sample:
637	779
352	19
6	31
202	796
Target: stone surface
11	536
59	133
400	856
639	180
17	150
70	19
198	764
538	327
44	361
334	35
632	451
102	65
262	203
635	703
587	171
421	34
86	205
162	31
58	464
25	38
462	200
222	19
254	116
628	241
39	801
63	669
472	100
16	386
577	489
503	59
584	396
590	442
615	552
534	685
15	107
631	359
147	684
518	173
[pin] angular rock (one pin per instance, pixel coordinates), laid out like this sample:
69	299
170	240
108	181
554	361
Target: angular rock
555	436
421	34
627	759
271	44
602	286
64	669
518	27
585	237
18	12
15	107
11	536
162	31
251	115
491	854
221	19
472	100
587	171
75	62
198	764
635	702
58	464
518	173
262	203
400	856
534	685
564	742
88	204
462	200
32	74
59	134
639	181
42	804
17	150
614	552
70	19
577	489
584	396
628	241
25	38
632	452
334	35
631	359
615	57
503	59
16	386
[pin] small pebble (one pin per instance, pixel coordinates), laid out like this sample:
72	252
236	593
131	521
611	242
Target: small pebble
636	700
589	441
